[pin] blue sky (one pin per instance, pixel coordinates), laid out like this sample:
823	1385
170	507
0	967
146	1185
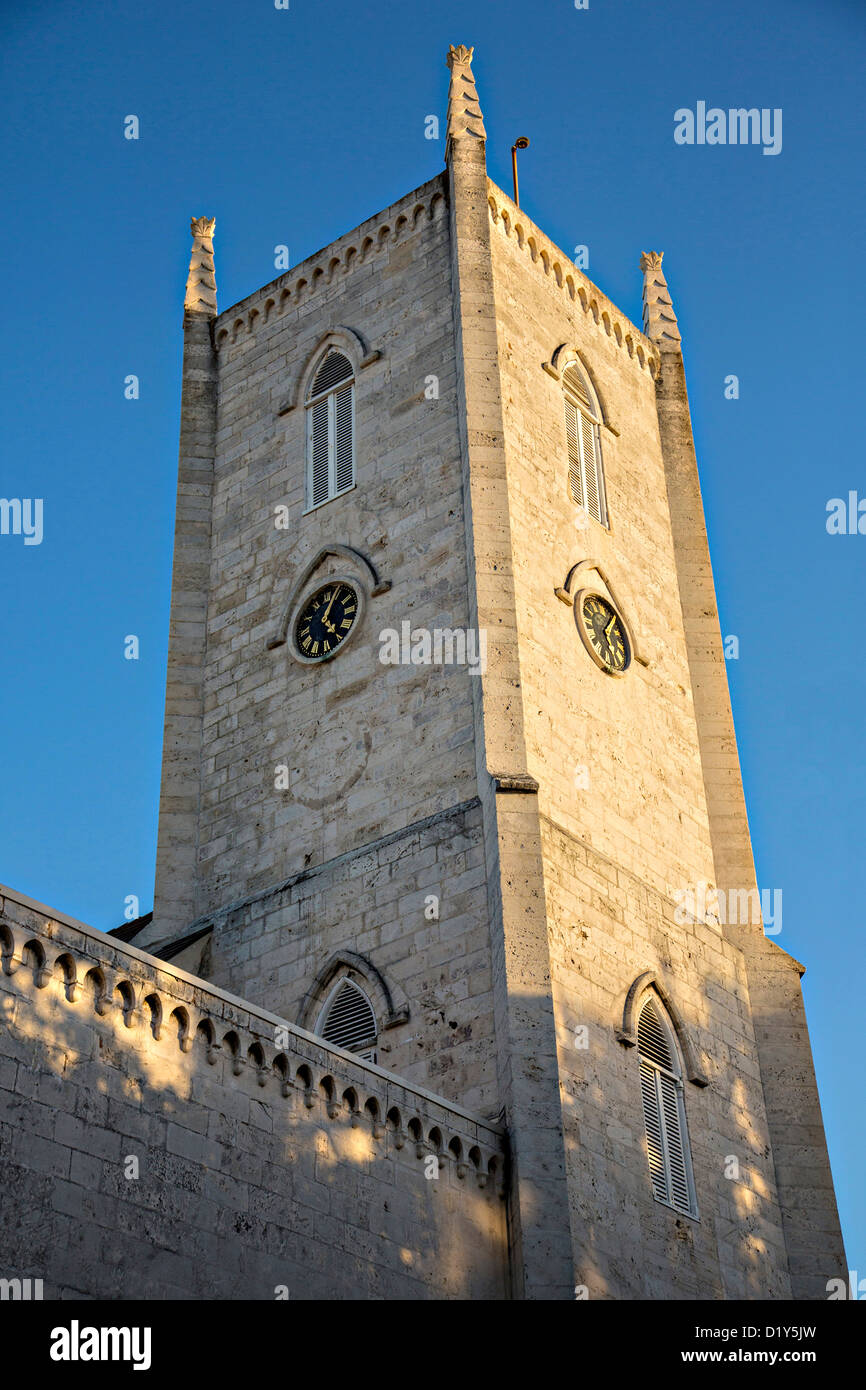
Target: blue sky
290	127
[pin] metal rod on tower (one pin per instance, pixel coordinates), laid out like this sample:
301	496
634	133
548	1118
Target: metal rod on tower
521	144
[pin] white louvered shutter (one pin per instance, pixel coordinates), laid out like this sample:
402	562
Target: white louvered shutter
588	441
350	1022
334	369
671	1099
583	439
330	430
655	1145
664	1115
318	452
575	471
344	463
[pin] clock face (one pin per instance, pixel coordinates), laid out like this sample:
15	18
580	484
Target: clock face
326	620
604	634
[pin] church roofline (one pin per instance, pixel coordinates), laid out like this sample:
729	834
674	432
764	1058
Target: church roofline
385	225
386	217
98	942
531	231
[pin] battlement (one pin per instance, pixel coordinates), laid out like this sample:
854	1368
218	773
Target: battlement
107	1055
360	246
559	270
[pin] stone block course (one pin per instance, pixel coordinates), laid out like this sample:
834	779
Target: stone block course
240	1187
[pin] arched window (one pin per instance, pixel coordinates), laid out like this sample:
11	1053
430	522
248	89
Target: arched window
582	420
664	1111
347	1020
330	429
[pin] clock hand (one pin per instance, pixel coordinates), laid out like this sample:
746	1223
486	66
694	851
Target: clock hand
330	606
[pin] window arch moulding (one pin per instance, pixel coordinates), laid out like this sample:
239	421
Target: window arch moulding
348	341
562	357
390	1005
626	1033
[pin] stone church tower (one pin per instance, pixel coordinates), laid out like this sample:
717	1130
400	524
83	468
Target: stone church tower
450	776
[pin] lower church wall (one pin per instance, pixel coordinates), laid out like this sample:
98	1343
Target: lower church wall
160	1138
607	929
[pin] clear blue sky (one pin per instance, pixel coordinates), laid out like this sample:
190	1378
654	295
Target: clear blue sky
290	128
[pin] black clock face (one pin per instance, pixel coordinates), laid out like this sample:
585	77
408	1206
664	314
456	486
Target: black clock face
605	633
326	620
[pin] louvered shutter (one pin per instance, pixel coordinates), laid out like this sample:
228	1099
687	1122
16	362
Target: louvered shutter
572	435
588	434
350	1022
677	1176
664	1114
653	1119
651	1039
344	465
334	369
585	472
318	452
330	430
576	384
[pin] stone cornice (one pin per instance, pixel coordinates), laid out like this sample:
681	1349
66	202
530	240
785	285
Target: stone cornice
125	989
361	246
555	266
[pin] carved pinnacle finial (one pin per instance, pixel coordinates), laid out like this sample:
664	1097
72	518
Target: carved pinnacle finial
464	110
659	319
200	295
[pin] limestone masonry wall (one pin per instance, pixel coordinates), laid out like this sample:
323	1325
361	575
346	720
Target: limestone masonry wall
642	801
623	807
265	1160
369	748
371	751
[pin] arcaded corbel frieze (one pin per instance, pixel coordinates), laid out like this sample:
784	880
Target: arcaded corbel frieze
252	1045
362	246
559	271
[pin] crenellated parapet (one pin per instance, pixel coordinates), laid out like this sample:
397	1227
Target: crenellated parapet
173	1023
365	245
556	268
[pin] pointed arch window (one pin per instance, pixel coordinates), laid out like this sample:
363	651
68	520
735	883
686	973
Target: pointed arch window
347	1020
583	441
664	1111
330	429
